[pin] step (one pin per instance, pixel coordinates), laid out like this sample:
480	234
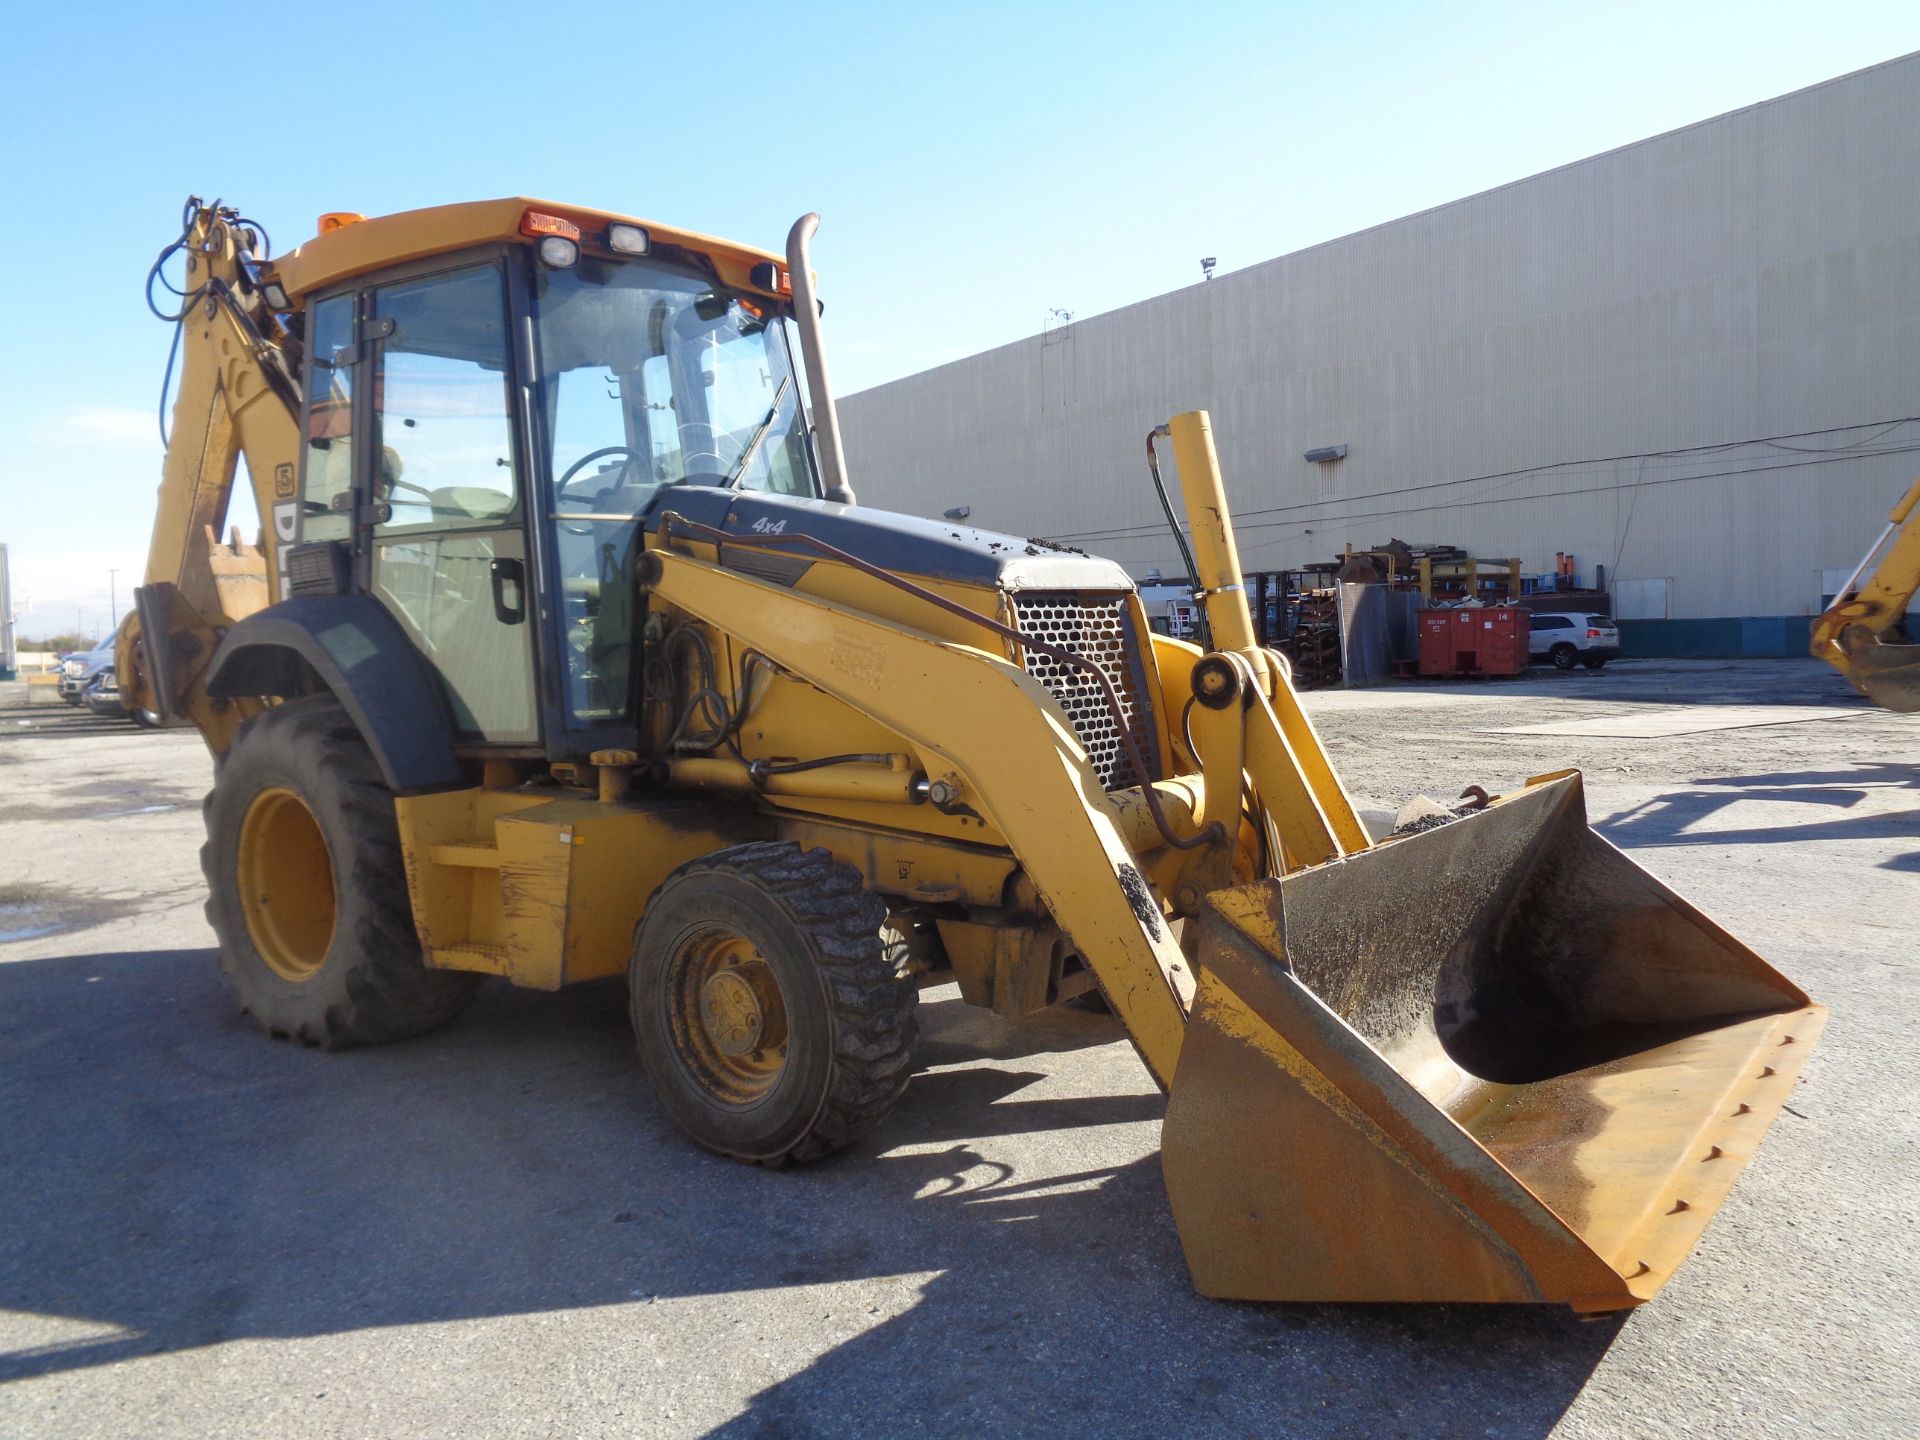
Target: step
472	854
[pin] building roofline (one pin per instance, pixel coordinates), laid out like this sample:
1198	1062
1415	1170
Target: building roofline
1229	276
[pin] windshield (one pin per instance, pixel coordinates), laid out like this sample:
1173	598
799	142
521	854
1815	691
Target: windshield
650	376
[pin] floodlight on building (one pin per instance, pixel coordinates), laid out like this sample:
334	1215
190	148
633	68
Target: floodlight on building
1326	454
958	512
1207	262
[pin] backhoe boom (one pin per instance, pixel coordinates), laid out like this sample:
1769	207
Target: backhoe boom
1863	633
237	399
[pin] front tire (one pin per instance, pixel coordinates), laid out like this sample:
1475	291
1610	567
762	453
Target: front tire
1564	657
769	1003
1593	664
306	888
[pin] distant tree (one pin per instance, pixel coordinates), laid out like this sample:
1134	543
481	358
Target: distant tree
57	643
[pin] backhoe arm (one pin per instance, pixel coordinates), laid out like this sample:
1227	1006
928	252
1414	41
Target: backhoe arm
1862	633
238	396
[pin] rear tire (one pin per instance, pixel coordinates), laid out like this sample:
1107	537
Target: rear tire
769	1003
306	888
1563	657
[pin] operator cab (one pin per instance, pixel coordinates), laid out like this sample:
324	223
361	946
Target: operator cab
651	377
488	427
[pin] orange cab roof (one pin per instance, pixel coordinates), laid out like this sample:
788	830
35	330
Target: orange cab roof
357	247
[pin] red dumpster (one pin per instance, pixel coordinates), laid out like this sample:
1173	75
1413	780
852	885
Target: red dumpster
1490	640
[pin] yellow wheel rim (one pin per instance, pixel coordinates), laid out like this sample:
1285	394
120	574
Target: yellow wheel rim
729	1016
286	884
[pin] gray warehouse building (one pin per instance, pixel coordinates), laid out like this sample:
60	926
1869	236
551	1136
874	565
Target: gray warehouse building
1693	361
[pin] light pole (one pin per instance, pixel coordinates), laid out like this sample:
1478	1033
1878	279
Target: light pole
113	599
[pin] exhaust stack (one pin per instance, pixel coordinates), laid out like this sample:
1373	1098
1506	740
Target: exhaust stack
806	314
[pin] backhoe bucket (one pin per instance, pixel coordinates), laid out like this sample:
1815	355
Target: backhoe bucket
1493	1061
1886	672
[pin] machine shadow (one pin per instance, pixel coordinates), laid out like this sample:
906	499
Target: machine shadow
1670	819
172	1179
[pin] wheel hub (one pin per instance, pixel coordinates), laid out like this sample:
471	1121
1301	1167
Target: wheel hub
732	1013
732	1016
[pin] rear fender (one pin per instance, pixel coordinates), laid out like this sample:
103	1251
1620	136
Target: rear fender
354	648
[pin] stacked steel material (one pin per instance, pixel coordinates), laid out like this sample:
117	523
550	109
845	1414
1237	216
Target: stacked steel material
1314	645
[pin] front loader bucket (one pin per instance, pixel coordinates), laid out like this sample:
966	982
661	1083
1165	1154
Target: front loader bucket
1493	1061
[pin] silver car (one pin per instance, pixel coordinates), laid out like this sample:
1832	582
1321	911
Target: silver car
1571	639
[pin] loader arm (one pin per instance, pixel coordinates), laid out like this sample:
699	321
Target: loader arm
1007	750
1862	633
238	396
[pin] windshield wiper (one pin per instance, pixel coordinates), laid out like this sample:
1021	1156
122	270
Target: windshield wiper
759	434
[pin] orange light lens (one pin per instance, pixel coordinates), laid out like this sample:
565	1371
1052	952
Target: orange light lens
535	222
338	219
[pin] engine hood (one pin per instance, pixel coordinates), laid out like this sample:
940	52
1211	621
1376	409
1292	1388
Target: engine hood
905	544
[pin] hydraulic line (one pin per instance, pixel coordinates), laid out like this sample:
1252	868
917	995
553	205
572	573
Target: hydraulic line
671	520
246	234
1173	524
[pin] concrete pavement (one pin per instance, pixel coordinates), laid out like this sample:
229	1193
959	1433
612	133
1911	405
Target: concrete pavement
494	1231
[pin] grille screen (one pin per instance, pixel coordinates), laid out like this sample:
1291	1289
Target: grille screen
1096	628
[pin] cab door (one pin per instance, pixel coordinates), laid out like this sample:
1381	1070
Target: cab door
446	496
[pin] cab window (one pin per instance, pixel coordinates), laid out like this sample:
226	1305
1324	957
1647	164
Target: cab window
442	406
651	375
326	508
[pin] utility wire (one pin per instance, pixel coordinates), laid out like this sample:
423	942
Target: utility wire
1850	451
1588	490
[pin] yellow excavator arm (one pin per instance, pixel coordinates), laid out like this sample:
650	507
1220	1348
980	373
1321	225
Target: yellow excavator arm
1863	634
237	398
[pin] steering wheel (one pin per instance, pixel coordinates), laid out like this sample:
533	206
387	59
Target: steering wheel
722	465
560	485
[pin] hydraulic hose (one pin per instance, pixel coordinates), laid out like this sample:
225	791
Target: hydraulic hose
1179	535
672	521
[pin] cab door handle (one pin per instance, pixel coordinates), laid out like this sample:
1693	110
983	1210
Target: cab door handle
509	571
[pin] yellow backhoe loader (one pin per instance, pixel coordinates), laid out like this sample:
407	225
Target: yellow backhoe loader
1864	633
566	653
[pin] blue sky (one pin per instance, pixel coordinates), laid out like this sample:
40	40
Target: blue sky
975	165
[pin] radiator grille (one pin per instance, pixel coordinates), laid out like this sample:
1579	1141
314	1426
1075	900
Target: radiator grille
1097	628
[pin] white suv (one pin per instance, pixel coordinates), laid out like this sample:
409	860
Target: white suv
1573	639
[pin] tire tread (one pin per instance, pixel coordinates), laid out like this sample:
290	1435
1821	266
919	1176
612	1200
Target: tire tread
388	993
861	960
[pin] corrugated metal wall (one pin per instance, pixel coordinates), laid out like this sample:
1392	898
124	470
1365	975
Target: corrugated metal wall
1695	358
